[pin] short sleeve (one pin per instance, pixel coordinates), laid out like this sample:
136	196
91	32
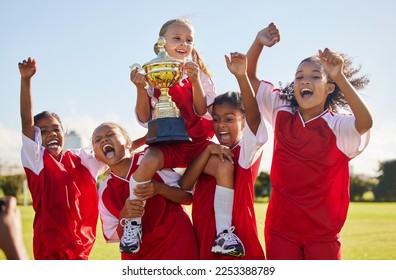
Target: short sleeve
32	152
252	145
349	140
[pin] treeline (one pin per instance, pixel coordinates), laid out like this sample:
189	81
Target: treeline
362	188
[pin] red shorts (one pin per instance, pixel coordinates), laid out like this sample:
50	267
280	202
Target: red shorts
279	247
181	154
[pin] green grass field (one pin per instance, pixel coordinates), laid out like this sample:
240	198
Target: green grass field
369	233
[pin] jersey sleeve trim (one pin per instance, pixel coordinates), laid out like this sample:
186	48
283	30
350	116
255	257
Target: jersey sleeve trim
252	145
32	152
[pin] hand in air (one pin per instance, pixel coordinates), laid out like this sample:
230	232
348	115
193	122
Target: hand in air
27	68
268	36
332	62
236	63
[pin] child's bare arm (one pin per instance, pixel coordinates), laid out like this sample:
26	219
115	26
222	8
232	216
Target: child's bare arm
27	69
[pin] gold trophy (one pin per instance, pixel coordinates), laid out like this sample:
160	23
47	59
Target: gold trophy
163	72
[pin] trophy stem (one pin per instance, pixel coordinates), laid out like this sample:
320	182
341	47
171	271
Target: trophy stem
165	97
165	107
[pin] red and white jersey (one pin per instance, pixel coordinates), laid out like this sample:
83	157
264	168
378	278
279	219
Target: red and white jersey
247	157
309	172
64	199
167	229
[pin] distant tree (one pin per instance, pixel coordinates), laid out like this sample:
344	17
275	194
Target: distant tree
386	189
12	184
262	186
359	185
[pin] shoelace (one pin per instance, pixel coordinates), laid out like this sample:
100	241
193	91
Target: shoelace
131	232
229	236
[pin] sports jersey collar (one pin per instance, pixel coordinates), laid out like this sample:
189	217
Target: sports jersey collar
129	174
315	118
236	145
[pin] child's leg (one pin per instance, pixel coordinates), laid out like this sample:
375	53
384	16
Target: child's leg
132	196
226	241
223	205
150	163
224	194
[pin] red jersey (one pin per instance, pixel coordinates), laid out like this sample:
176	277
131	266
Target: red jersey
199	128
247	157
64	200
309	171
167	229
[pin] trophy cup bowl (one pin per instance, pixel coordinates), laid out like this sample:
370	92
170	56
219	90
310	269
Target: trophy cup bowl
162	73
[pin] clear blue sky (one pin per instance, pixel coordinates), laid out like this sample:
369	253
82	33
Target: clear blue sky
83	50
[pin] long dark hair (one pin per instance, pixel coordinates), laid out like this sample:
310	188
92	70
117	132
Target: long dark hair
335	100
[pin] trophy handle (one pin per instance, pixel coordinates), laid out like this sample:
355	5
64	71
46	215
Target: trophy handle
135	65
139	67
184	75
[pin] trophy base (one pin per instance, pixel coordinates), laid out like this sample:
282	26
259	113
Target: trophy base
167	131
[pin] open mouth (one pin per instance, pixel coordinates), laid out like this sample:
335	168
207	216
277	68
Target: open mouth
108	151
224	137
53	144
306	93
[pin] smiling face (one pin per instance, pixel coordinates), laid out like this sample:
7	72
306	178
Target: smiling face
228	123
179	38
311	88
52	135
110	143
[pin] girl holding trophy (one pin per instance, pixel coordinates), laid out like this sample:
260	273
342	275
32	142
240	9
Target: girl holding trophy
193	98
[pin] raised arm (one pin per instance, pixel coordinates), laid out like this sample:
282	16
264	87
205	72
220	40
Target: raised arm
27	68
268	36
142	107
333	64
199	98
237	64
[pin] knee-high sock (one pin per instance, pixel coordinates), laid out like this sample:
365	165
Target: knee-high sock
223	204
132	186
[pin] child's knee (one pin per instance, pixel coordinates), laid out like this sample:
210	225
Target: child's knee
152	159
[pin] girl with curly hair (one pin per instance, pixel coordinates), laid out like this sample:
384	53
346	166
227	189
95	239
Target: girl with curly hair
313	145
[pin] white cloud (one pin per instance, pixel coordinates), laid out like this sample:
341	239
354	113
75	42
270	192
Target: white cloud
10	146
380	148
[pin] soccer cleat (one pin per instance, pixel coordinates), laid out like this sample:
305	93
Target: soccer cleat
227	243
132	237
